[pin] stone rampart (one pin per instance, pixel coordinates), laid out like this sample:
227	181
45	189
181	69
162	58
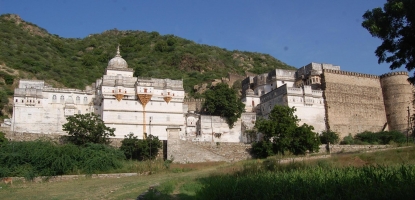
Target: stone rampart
353	102
194	104
351	148
398	97
184	151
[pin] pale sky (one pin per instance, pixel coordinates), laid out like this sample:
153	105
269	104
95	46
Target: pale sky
296	32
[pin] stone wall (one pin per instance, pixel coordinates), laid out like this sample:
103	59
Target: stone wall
194	104
354	102
398	97
351	148
184	151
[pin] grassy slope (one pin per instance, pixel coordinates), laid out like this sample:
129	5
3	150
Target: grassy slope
27	47
182	185
30	52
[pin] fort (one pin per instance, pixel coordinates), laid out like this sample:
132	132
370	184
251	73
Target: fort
331	99
324	96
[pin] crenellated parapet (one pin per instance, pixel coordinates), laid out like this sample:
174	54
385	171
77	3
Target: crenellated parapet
350	73
193	100
394	74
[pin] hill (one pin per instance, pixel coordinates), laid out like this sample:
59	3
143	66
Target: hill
29	51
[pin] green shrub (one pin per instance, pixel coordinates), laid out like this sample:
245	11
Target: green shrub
383	137
348	140
3	139
45	158
136	149
329	136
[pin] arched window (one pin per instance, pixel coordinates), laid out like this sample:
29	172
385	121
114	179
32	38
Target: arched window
62	99
78	99
85	100
16	100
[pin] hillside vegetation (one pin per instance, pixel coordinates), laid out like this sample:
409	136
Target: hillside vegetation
76	62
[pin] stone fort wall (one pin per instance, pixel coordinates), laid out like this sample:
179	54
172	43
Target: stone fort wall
358	102
353	101
398	98
194	104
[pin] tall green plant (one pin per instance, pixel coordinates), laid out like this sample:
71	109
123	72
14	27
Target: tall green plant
281	133
329	136
45	158
136	149
223	101
87	128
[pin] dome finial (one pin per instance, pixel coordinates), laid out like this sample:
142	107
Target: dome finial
118	51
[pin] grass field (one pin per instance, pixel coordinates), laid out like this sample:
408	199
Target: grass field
381	171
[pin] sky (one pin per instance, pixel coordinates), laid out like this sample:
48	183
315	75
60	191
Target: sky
296	32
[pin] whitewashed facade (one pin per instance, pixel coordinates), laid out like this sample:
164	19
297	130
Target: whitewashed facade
127	103
294	88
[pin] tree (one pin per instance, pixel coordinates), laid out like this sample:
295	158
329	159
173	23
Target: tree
87	128
3	139
3	101
223	101
134	148
329	136
395	25
281	133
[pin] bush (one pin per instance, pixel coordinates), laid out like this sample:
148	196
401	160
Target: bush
348	140
3	139
45	158
329	136
136	149
383	137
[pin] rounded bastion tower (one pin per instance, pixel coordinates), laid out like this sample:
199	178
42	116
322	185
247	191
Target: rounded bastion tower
397	96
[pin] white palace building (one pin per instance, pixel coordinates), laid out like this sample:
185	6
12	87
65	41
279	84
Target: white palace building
129	104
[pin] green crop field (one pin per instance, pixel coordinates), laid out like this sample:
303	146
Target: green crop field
380	175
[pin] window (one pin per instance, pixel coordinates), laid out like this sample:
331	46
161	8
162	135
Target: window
85	100
145	90
62	99
16	100
78	99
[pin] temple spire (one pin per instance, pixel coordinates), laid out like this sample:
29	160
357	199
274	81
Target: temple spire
118	51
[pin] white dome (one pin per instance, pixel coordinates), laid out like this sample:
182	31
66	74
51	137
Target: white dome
117	62
250	92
